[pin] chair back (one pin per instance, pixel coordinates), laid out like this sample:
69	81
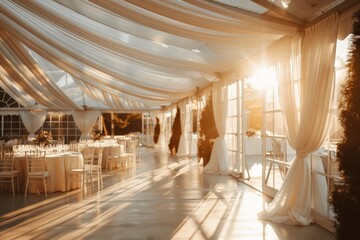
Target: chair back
35	161
277	149
88	156
7	162
98	157
115	151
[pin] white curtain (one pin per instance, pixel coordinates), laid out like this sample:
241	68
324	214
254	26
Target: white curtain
219	160
307	128
33	120
85	120
161	144
148	137
183	149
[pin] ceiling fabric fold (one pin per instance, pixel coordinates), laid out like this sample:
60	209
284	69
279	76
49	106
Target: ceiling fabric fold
124	55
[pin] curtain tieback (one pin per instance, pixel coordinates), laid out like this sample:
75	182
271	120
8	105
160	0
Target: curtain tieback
301	155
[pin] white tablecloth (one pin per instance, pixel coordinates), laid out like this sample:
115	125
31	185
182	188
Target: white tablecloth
55	165
253	146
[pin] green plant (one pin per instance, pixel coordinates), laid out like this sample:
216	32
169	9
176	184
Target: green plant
207	132
176	133
345	198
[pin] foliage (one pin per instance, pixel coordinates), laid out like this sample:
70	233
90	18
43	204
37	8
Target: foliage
43	138
346	194
157	131
207	132
97	135
176	133
123	123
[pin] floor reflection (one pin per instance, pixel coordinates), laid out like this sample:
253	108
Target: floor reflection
161	198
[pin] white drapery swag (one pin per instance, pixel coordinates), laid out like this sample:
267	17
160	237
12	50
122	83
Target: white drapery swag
85	120
183	149
305	130
33	120
161	144
219	160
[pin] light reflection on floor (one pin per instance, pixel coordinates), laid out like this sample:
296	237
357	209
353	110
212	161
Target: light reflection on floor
157	199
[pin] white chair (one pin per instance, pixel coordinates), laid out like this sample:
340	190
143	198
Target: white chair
117	156
131	152
7	172
84	174
36	169
276	156
97	167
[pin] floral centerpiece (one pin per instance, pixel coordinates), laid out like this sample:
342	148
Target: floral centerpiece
43	138
250	132
97	135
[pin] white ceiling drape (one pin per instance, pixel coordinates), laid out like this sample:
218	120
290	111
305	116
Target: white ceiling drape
126	55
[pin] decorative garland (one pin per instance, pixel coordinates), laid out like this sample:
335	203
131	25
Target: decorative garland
345	198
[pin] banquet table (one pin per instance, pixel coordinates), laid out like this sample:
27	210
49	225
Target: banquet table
55	165
253	146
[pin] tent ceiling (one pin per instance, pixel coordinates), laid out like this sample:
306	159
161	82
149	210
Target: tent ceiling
134	55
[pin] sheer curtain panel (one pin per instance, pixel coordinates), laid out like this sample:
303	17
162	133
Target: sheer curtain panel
33	121
219	160
183	149
305	129
161	144
85	120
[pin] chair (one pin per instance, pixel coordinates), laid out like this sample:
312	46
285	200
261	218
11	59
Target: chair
36	169
131	152
84	173
7	172
116	155
97	167
278	155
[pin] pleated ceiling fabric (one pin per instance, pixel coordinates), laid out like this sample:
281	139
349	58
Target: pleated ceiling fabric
126	55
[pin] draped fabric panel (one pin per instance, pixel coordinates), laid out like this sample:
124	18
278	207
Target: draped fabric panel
30	78
183	149
130	55
161	144
219	160
85	120
33	121
307	129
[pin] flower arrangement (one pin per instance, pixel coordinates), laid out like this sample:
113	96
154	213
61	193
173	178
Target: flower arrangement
97	135
250	132
43	138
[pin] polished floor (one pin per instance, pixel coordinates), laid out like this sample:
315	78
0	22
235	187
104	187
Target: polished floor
160	198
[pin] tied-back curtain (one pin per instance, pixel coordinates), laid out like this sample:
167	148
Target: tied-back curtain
33	120
85	120
307	129
153	119
161	144
183	149
219	160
